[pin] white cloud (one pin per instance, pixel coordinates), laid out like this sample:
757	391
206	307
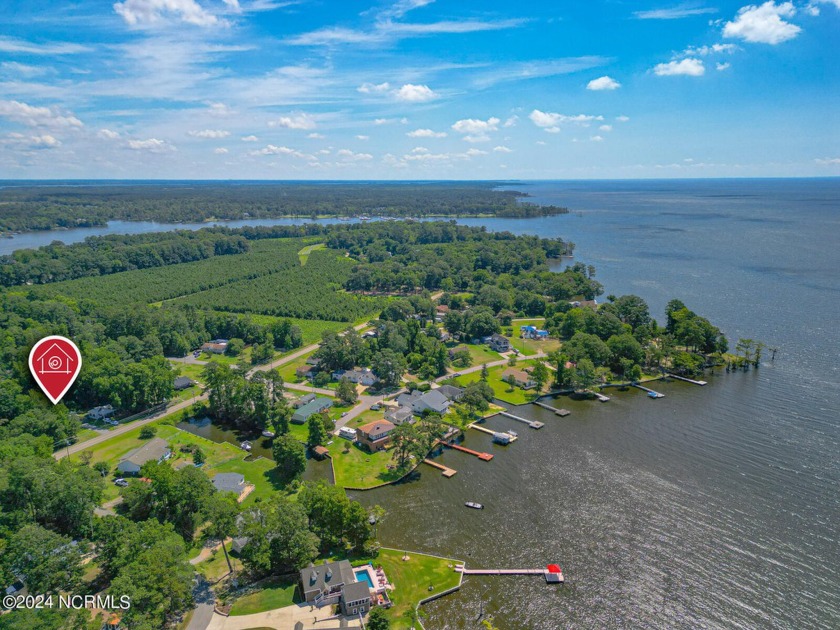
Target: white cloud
674	13
14	45
812	10
271	149
597	139
828	161
209	133
420	150
603	83
410	93
362	137
152	145
550	121
502	149
475	152
511	121
315	136
220	151
705	51
220	110
300	121
690	67
37	116
622	118
381	121
722	66
107	134
138	12
475	127
426	133
374	88
542	143
763	24
25	70
347	154
605	128
249	139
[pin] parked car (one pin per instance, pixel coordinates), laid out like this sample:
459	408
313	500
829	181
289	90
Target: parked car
343	413
122	483
375	407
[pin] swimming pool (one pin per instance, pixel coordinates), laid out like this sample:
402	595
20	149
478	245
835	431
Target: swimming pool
363	575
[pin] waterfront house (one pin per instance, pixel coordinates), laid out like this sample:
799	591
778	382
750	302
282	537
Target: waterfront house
400	415
499	343
231	482
432	400
315	406
375	435
334	583
521	378
155	449
452	393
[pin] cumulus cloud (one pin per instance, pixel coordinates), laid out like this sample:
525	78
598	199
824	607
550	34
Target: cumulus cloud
502	149
299	121
476	130
597	139
37	116
690	67
209	133
426	133
410	93
271	149
622	118
347	154
315	136
551	122
374	88
108	134
722	66
220	151
249	139
763	24
603	83
362	137
23	142
511	121
605	128
139	12
705	51
153	145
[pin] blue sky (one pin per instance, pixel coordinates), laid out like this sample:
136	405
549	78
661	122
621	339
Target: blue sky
419	89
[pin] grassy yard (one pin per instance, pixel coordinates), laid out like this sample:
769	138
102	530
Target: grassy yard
303	254
531	346
274	594
259	472
216	566
500	388
288	371
311	329
411	579
356	468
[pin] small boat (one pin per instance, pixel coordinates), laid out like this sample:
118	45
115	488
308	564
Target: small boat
473	505
245	446
513	433
268	434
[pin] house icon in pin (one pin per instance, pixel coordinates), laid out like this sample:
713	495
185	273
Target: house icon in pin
54	360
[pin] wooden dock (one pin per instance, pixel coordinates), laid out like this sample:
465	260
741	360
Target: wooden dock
485	457
599	396
534	424
649	391
446	471
552	573
687	380
559	412
513	438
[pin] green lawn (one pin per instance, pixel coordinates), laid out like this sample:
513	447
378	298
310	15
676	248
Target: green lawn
500	388
274	594
482	354
303	254
259	472
356	468
531	346
216	566
311	329
288	371
411	579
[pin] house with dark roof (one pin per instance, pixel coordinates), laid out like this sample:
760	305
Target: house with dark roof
335	583
375	435
452	393
432	400
155	449
311	408
182	382
230	482
521	378
499	343
300	402
217	346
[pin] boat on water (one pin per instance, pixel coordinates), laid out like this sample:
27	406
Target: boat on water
245	446
268	434
513	433
474	505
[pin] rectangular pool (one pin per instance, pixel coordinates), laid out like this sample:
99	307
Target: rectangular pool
362	575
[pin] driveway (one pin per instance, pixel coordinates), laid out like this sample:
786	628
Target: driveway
204	602
281	619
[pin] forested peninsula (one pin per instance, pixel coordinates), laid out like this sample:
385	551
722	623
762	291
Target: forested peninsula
27	207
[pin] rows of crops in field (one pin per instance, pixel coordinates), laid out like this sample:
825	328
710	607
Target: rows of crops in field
312	291
163	283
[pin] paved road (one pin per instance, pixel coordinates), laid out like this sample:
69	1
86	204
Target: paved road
204	603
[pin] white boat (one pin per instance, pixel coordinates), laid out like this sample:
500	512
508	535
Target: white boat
268	434
513	433
474	505
245	446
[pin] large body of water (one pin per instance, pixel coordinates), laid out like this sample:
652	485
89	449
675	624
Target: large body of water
715	507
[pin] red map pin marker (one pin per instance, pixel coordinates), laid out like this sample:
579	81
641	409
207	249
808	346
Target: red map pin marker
55	363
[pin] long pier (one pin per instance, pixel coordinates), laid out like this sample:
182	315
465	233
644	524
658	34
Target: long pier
552	573
650	392
599	396
485	457
687	380
513	438
559	412
446	471
534	424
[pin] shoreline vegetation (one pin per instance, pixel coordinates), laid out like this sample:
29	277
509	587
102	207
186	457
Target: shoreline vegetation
403	305
30	207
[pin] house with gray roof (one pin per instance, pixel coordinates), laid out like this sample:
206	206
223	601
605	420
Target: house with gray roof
432	400
333	583
229	482
452	393
155	449
400	415
311	408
